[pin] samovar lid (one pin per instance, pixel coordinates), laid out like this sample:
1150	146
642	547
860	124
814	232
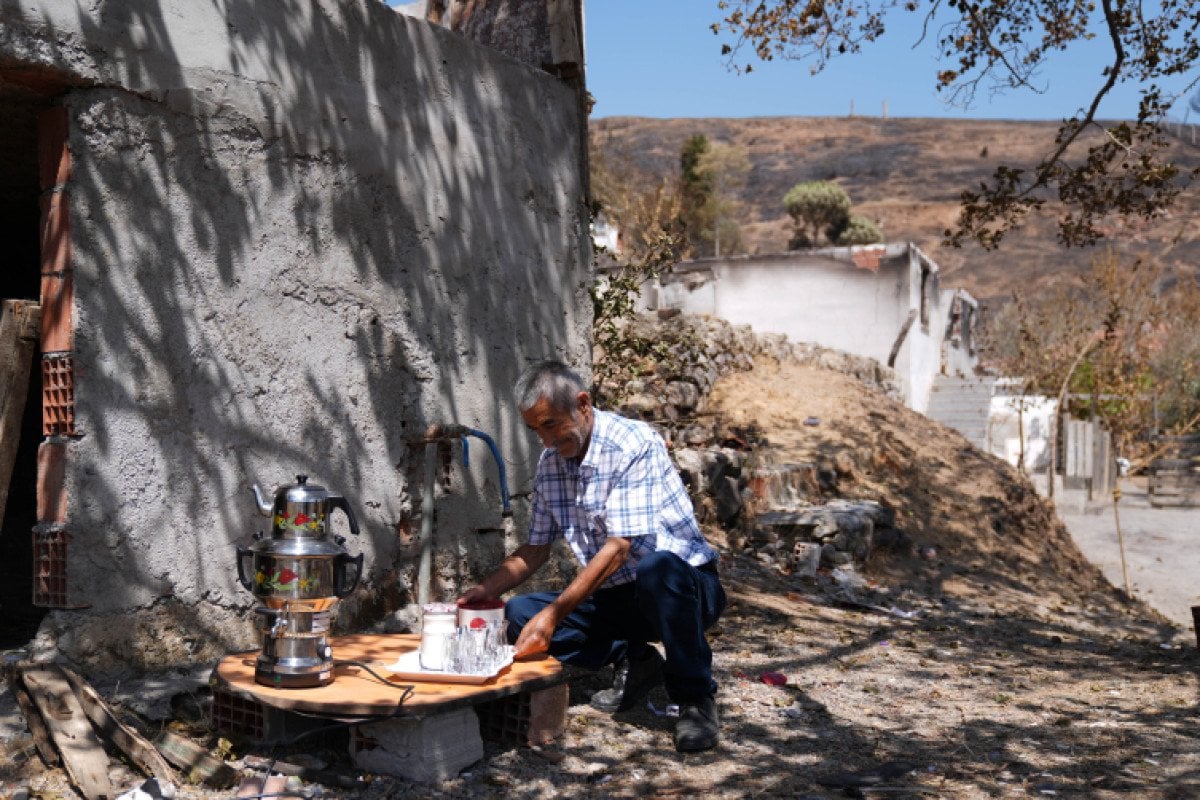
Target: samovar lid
302	492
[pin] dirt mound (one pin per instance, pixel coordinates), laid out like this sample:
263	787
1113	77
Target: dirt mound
977	525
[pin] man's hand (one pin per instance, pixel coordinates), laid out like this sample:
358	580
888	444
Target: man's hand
535	636
475	594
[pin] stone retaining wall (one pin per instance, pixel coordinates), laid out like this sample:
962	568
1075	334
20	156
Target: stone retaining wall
773	509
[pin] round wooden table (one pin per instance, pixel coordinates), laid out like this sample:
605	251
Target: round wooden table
356	693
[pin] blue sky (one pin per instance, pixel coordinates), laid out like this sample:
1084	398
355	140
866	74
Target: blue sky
658	58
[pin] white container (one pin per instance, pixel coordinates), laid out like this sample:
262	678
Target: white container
490	611
437	625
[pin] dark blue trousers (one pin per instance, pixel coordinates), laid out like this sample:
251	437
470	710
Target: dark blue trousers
670	602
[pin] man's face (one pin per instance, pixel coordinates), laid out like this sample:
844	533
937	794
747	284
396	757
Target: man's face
568	433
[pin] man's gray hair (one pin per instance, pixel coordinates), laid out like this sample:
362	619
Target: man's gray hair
552	380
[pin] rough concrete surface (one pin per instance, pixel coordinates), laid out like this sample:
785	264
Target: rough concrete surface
302	233
1162	547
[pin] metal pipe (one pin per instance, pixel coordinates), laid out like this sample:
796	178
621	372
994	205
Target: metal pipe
425	566
432	438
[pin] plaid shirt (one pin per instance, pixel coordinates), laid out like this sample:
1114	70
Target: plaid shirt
625	486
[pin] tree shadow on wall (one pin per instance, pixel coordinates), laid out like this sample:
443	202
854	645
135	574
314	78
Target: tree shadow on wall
292	254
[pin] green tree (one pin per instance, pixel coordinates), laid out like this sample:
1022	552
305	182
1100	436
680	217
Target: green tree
695	192
647	209
817	208
1001	46
723	168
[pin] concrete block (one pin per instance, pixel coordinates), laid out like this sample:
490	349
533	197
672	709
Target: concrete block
807	558
424	749
548	714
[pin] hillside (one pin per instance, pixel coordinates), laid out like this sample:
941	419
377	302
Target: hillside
907	174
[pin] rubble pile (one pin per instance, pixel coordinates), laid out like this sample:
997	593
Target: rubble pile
836	534
772	509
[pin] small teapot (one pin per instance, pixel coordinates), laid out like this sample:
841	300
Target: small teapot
301	510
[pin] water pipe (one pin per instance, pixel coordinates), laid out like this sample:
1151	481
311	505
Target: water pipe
504	498
433	436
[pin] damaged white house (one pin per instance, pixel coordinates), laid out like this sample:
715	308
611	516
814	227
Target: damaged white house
884	302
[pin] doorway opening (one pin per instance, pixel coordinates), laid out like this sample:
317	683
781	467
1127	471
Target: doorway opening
20	278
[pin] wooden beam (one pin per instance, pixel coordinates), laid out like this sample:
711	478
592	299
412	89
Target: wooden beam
140	751
82	753
33	720
19	322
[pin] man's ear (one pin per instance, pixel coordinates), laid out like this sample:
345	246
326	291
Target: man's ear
583	401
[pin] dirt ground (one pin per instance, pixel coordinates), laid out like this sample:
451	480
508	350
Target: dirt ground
983	658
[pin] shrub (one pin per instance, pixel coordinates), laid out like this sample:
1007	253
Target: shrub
860	230
816	208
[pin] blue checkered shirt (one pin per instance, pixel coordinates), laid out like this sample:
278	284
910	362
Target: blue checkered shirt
625	486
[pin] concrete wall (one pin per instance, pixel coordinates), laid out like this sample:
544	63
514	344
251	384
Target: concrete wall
301	233
858	300
960	348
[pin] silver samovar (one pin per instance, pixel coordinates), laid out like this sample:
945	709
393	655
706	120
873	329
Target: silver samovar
298	574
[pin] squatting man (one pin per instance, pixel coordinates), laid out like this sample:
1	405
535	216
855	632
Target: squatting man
607	485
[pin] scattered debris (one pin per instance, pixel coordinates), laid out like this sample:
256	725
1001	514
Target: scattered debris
197	764
150	789
139	751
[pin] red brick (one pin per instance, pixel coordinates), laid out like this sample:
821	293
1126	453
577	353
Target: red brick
58	395
867	259
50	566
58	286
54	159
51	482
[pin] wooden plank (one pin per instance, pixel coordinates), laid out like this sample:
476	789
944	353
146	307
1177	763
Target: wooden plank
82	754
131	743
19	321
197	764
33	719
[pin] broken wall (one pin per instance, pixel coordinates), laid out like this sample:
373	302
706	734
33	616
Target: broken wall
299	233
882	302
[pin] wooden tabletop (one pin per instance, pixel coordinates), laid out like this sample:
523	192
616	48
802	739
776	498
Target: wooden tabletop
355	693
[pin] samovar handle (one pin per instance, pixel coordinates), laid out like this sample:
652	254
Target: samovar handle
336	501
340	578
242	554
